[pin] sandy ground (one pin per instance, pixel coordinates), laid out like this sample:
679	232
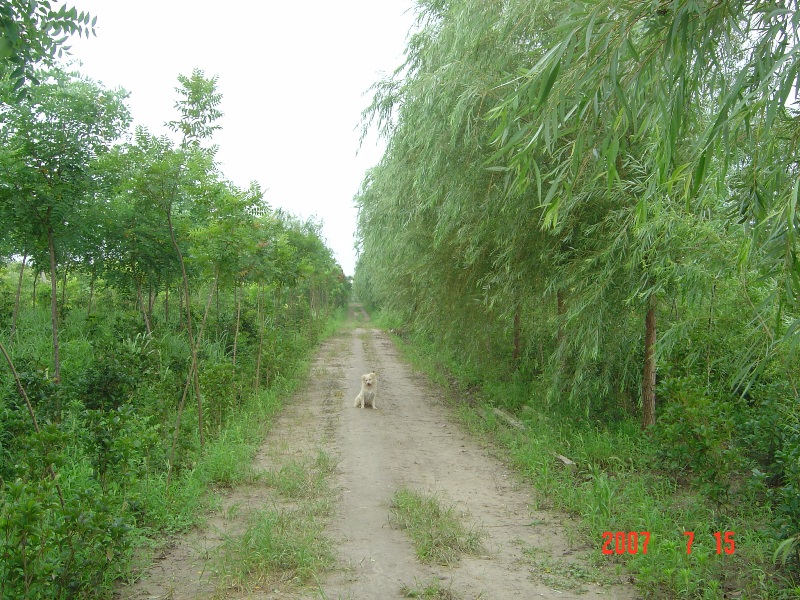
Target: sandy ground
410	440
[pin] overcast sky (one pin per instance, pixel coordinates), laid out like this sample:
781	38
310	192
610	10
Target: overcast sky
293	78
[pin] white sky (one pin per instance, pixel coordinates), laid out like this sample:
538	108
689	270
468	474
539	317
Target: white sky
293	77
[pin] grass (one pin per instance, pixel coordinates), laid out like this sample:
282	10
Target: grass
433	590
563	574
438	535
278	546
299	479
284	543
615	487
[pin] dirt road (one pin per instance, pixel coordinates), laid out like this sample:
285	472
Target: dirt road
410	441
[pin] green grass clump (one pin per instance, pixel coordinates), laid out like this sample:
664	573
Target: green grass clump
300	478
434	590
285	543
438	535
278	546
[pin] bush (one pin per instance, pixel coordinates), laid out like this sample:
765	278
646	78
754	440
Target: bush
54	548
696	435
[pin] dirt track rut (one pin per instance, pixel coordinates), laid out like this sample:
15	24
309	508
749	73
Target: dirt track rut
411	440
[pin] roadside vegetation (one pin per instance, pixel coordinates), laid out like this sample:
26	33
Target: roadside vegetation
586	216
286	542
153	317
438	534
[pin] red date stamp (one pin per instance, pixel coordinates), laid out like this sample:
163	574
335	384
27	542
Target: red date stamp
625	543
632	542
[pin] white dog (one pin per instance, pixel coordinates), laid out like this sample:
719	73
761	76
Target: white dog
367	394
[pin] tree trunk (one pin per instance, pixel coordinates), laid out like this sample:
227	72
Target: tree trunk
140	305
216	289
649	375
237	296
17	297
208	307
260	317
151	300
176	433
54	305
64	288
192	343
91	291
709	334
560	310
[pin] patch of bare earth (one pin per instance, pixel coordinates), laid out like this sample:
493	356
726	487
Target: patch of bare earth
411	440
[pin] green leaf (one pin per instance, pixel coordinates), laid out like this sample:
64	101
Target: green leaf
785	549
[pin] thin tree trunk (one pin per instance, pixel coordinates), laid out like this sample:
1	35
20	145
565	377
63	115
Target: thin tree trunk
192	344
260	317
216	288
151	300
560	309
17	297
180	304
649	375
140	305
91	291
64	288
708	336
171	461
208	308
54	305
237	296
35	280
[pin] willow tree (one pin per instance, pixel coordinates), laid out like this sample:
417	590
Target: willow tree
666	103
440	241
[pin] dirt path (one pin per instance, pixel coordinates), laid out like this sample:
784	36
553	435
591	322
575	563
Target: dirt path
410	441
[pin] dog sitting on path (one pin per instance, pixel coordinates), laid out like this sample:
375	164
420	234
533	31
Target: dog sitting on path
366	397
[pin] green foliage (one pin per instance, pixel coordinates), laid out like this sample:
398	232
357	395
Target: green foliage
278	546
621	482
785	474
698	434
197	105
565	181
31	31
137	236
53	548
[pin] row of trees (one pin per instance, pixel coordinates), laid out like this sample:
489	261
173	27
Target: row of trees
561	177
145	300
76	199
594	207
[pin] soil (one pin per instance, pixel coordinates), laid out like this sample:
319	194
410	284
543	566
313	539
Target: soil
411	440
